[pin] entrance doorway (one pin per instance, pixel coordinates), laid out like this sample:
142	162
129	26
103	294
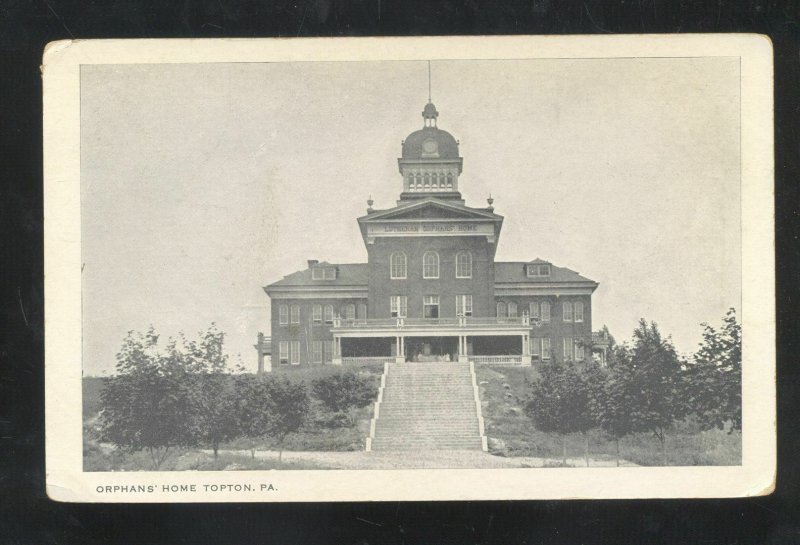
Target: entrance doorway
432	349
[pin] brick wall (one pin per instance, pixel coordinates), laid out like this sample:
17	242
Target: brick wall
557	329
307	330
447	286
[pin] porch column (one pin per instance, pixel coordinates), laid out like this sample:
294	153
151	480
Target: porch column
337	350
398	351
462	349
526	350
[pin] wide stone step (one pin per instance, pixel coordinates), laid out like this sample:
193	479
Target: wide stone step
467	431
426	402
425	425
405	446
427	399
473	440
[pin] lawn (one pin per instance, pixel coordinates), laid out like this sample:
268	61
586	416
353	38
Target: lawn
504	392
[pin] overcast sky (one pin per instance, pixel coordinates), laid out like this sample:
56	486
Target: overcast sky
203	183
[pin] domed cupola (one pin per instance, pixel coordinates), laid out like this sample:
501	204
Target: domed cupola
430	163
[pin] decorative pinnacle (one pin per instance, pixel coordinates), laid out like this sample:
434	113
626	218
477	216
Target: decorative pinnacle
370	202
490	200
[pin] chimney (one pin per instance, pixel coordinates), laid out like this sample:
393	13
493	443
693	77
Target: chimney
312	262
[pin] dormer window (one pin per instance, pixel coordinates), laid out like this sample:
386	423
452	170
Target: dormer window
323	273
536	270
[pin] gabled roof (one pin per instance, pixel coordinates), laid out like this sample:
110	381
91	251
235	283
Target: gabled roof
514	272
449	209
347	274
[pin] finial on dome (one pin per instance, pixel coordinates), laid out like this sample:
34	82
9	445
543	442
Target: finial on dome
429	114
490	200
370	202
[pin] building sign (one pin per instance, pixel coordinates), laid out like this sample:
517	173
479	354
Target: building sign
430	228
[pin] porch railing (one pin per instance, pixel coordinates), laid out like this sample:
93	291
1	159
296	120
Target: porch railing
510	359
458	321
365	360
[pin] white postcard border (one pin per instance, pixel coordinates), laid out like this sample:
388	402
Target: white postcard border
66	480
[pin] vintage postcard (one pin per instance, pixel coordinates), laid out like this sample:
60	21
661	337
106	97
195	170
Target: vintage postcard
461	268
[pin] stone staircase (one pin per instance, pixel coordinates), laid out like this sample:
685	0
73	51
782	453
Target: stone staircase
427	406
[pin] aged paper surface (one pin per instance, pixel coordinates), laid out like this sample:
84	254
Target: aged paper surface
181	176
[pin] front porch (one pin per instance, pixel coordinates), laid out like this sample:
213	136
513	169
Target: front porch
490	341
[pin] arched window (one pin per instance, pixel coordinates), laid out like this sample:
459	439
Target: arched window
349	312
463	265
449	181
501	309
397	265
427	181
328	314
578	315
362	311
430	265
512	310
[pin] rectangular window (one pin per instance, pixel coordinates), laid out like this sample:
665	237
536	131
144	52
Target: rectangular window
546	348
328	351
568	345
362	311
328	314
316	313
399	306
295	354
430	306
316	351
545	311
284	352
295	314
512	310
579	350
329	273
567	315
578	311
463	305
536	348
283	315
316	273
534	308
538	270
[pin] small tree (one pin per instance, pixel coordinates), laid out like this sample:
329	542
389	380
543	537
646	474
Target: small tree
147	404
714	378
344	392
289	406
612	404
214	415
590	388
559	402
656	397
254	409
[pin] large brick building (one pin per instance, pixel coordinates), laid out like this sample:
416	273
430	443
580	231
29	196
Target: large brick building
431	289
